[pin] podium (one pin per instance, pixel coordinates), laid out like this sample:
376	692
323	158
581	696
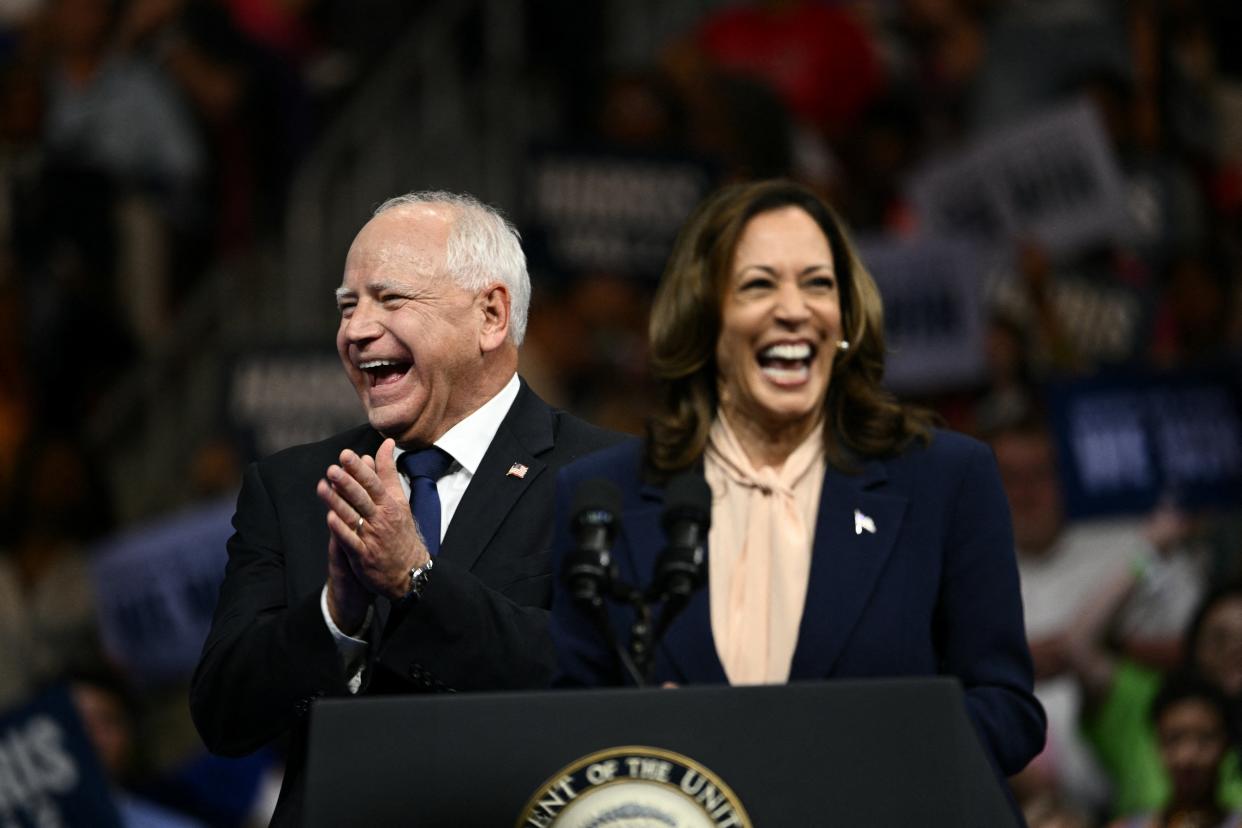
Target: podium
874	753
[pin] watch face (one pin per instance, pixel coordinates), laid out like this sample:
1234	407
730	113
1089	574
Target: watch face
419	576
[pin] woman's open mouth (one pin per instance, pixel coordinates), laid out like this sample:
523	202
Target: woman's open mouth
787	363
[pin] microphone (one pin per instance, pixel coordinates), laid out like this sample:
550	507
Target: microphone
682	566
593	522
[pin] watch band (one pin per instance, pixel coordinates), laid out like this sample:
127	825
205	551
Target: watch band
419	576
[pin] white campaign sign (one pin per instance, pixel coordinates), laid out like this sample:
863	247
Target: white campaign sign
1052	178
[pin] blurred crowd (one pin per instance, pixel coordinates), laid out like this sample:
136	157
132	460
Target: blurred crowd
146	143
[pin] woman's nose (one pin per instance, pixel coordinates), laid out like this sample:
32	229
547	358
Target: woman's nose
791	304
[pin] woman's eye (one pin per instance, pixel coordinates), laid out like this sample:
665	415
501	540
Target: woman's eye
820	283
749	285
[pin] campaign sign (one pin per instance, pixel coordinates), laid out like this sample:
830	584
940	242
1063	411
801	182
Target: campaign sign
933	319
1127	443
1053	178
604	211
156	588
49	776
280	397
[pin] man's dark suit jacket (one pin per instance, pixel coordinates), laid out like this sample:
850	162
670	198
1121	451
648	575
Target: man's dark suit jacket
933	590
481	623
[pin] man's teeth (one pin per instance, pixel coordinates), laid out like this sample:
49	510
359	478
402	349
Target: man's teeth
800	350
377	363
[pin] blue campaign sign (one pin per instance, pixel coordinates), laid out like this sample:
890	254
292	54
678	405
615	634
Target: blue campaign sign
280	396
933	315
156	588
591	210
49	776
1129	442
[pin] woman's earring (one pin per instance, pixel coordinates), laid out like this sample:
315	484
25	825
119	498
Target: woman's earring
843	345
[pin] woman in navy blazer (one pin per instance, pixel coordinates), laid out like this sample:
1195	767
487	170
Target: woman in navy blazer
766	315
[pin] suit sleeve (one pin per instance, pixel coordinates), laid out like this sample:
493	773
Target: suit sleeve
984	638
264	660
462	634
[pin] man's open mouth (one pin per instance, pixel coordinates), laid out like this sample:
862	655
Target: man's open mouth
384	371
787	362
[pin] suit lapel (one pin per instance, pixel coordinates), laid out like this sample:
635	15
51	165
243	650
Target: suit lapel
525	433
846	562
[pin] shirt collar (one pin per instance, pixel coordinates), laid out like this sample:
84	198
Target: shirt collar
467	441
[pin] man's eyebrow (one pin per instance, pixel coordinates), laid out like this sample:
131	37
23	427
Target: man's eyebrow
381	285
378	286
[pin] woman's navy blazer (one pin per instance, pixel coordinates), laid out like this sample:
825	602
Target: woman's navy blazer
933	590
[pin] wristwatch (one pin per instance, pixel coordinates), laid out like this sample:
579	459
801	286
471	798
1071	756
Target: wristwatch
419	576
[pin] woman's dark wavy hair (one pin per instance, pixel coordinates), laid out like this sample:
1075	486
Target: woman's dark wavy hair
861	420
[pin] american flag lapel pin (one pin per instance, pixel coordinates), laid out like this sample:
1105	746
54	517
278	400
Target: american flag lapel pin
517	470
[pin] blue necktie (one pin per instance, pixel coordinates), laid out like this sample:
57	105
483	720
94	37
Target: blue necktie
424	468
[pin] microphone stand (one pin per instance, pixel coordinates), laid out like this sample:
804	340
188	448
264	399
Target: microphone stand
592	574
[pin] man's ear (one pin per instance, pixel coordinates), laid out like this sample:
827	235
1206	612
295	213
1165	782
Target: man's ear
493	305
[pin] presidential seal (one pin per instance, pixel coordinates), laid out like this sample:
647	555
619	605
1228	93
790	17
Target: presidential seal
634	787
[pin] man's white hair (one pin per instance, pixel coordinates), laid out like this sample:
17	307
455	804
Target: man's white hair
483	247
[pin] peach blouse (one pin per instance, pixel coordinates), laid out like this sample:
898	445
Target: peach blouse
763	523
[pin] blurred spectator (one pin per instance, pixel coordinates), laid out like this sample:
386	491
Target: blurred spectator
567	51
1164	206
237	65
116	187
280	25
1079	315
739	122
587	351
816	58
1190	718
1009	396
16	396
1121	693
115	112
108	712
875	159
641	111
215	469
1049	810
727	117
68	242
49	617
1062	568
1192	321
945	43
1035	49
